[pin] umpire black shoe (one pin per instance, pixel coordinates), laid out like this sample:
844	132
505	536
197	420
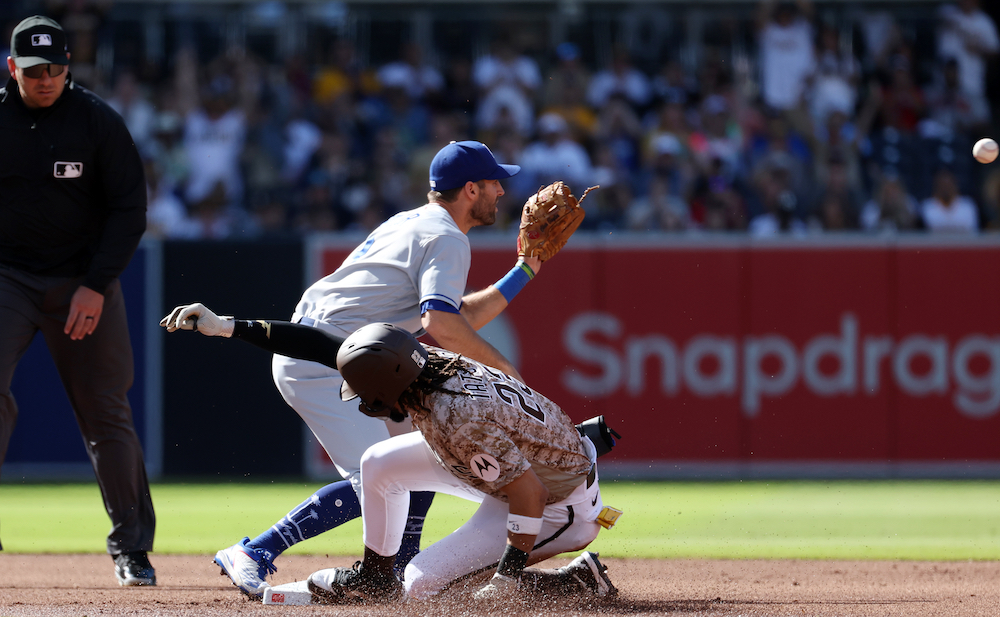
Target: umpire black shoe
134	569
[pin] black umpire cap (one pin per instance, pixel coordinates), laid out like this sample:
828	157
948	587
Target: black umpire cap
38	40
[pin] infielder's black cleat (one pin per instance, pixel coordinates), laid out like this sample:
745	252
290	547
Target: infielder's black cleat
351	585
134	569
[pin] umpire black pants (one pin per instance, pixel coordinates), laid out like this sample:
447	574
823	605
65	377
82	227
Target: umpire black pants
97	373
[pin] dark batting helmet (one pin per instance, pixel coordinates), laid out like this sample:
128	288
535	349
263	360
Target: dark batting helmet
378	362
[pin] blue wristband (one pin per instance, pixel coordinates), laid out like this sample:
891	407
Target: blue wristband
515	280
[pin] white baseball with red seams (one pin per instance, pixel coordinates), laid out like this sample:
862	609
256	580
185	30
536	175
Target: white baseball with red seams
985	150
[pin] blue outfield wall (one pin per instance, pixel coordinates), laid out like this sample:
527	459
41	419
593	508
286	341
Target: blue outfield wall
202	407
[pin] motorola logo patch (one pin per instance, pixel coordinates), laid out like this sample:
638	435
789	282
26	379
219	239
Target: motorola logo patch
485	467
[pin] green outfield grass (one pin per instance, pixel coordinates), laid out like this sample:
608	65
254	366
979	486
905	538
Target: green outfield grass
925	520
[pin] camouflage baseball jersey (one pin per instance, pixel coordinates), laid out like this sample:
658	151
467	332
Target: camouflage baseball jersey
499	429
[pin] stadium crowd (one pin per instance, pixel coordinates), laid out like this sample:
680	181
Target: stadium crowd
824	127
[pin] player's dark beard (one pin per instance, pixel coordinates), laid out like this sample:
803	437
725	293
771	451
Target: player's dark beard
483	211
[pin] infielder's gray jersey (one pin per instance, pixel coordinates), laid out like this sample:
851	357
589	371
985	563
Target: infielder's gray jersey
498	430
414	257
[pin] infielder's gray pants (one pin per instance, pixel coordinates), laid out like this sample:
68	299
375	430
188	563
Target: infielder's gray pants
97	373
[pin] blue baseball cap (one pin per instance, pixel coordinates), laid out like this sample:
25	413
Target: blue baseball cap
466	161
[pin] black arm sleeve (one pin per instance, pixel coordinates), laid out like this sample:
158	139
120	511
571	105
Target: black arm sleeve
290	339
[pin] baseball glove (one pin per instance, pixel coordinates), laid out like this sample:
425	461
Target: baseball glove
548	219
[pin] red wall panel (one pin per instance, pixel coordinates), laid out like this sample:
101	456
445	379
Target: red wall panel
735	352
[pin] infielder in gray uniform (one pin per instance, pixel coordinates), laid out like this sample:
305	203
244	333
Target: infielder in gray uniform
412	272
484	436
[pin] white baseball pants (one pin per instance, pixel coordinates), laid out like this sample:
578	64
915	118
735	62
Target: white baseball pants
313	391
393	468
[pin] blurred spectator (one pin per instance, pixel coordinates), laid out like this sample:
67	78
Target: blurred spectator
950	109
460	93
509	149
891	153
781	208
717	199
419	80
215	217
949	150
719	139
947	211
838	182
343	74
991	201
571	104
619	128
667	161
214	135
785	43
167	151
166	214
667	118
968	35
507	82
566	94
317	212
270	214
835	83
659	209
214	131
723	209
833	213
608	206
568	74
555	156
409	118
902	102
139	114
881	35
83	22
892	208
388	172
672	83
302	141
781	145
839	140
443	128
620	78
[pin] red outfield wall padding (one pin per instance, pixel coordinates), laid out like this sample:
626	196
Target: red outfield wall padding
864	352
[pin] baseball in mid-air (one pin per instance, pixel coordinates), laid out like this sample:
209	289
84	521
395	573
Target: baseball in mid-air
985	150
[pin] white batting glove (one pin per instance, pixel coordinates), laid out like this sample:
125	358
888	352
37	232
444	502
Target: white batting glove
198	317
499	587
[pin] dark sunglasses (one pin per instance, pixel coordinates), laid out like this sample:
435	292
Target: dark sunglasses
36	72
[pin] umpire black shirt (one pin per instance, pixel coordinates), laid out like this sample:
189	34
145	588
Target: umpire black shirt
72	188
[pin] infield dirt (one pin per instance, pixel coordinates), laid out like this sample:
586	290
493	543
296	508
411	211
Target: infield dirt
190	585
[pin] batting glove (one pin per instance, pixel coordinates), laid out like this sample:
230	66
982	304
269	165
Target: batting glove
198	317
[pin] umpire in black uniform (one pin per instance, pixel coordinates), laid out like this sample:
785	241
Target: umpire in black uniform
72	212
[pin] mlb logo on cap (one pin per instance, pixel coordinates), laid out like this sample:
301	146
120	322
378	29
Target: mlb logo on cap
38	40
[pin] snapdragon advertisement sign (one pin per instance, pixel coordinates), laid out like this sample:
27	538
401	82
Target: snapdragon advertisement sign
866	351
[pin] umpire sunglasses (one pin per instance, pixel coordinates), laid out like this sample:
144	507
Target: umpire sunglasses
36	72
